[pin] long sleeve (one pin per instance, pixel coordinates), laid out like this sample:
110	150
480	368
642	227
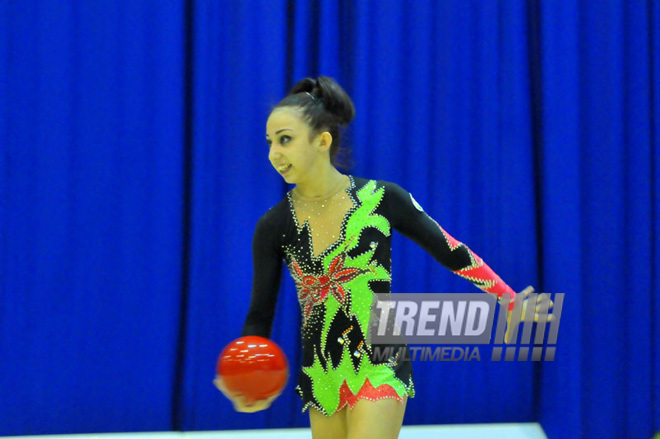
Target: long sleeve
266	277
408	217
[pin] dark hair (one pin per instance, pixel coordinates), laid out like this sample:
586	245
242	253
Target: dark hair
325	106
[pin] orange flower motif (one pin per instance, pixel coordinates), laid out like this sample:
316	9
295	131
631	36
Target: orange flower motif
313	290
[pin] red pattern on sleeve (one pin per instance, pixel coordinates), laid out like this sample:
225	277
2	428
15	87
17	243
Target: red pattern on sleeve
480	274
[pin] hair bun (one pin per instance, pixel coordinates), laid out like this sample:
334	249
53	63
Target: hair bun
335	100
306	85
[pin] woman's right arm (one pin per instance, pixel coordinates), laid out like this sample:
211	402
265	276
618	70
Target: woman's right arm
266	277
267	272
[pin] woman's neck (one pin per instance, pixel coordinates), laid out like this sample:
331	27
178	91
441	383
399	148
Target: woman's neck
321	186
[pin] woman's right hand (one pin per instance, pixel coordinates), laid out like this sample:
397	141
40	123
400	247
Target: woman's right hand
241	404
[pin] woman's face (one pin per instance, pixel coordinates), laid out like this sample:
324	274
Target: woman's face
290	151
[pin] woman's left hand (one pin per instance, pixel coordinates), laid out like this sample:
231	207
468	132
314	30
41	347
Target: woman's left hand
521	300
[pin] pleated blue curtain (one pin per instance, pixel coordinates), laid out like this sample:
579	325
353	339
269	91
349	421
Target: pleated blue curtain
239	73
599	173
133	169
91	111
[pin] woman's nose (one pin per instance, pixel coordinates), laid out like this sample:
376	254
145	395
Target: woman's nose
274	153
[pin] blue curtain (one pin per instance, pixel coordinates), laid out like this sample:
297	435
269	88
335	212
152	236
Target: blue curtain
599	176
91	190
133	169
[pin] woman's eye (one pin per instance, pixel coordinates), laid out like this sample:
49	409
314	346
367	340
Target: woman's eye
283	140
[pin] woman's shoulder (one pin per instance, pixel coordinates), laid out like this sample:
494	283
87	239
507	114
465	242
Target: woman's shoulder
393	196
277	214
389	186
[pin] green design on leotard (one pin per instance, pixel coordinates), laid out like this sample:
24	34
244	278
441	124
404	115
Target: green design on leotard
327	383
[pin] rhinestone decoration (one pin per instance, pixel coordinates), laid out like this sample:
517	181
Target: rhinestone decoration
332	266
337	251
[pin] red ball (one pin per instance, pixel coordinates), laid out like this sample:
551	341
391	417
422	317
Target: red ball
253	366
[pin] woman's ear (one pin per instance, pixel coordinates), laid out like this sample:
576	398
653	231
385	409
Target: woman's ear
325	141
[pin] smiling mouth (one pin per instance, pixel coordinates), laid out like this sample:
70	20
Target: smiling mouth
282	169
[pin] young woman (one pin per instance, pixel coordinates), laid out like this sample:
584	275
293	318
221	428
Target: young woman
334	233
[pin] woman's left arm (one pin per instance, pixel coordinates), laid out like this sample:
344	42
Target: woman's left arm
408	217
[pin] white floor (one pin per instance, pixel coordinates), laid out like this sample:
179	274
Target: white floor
471	431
